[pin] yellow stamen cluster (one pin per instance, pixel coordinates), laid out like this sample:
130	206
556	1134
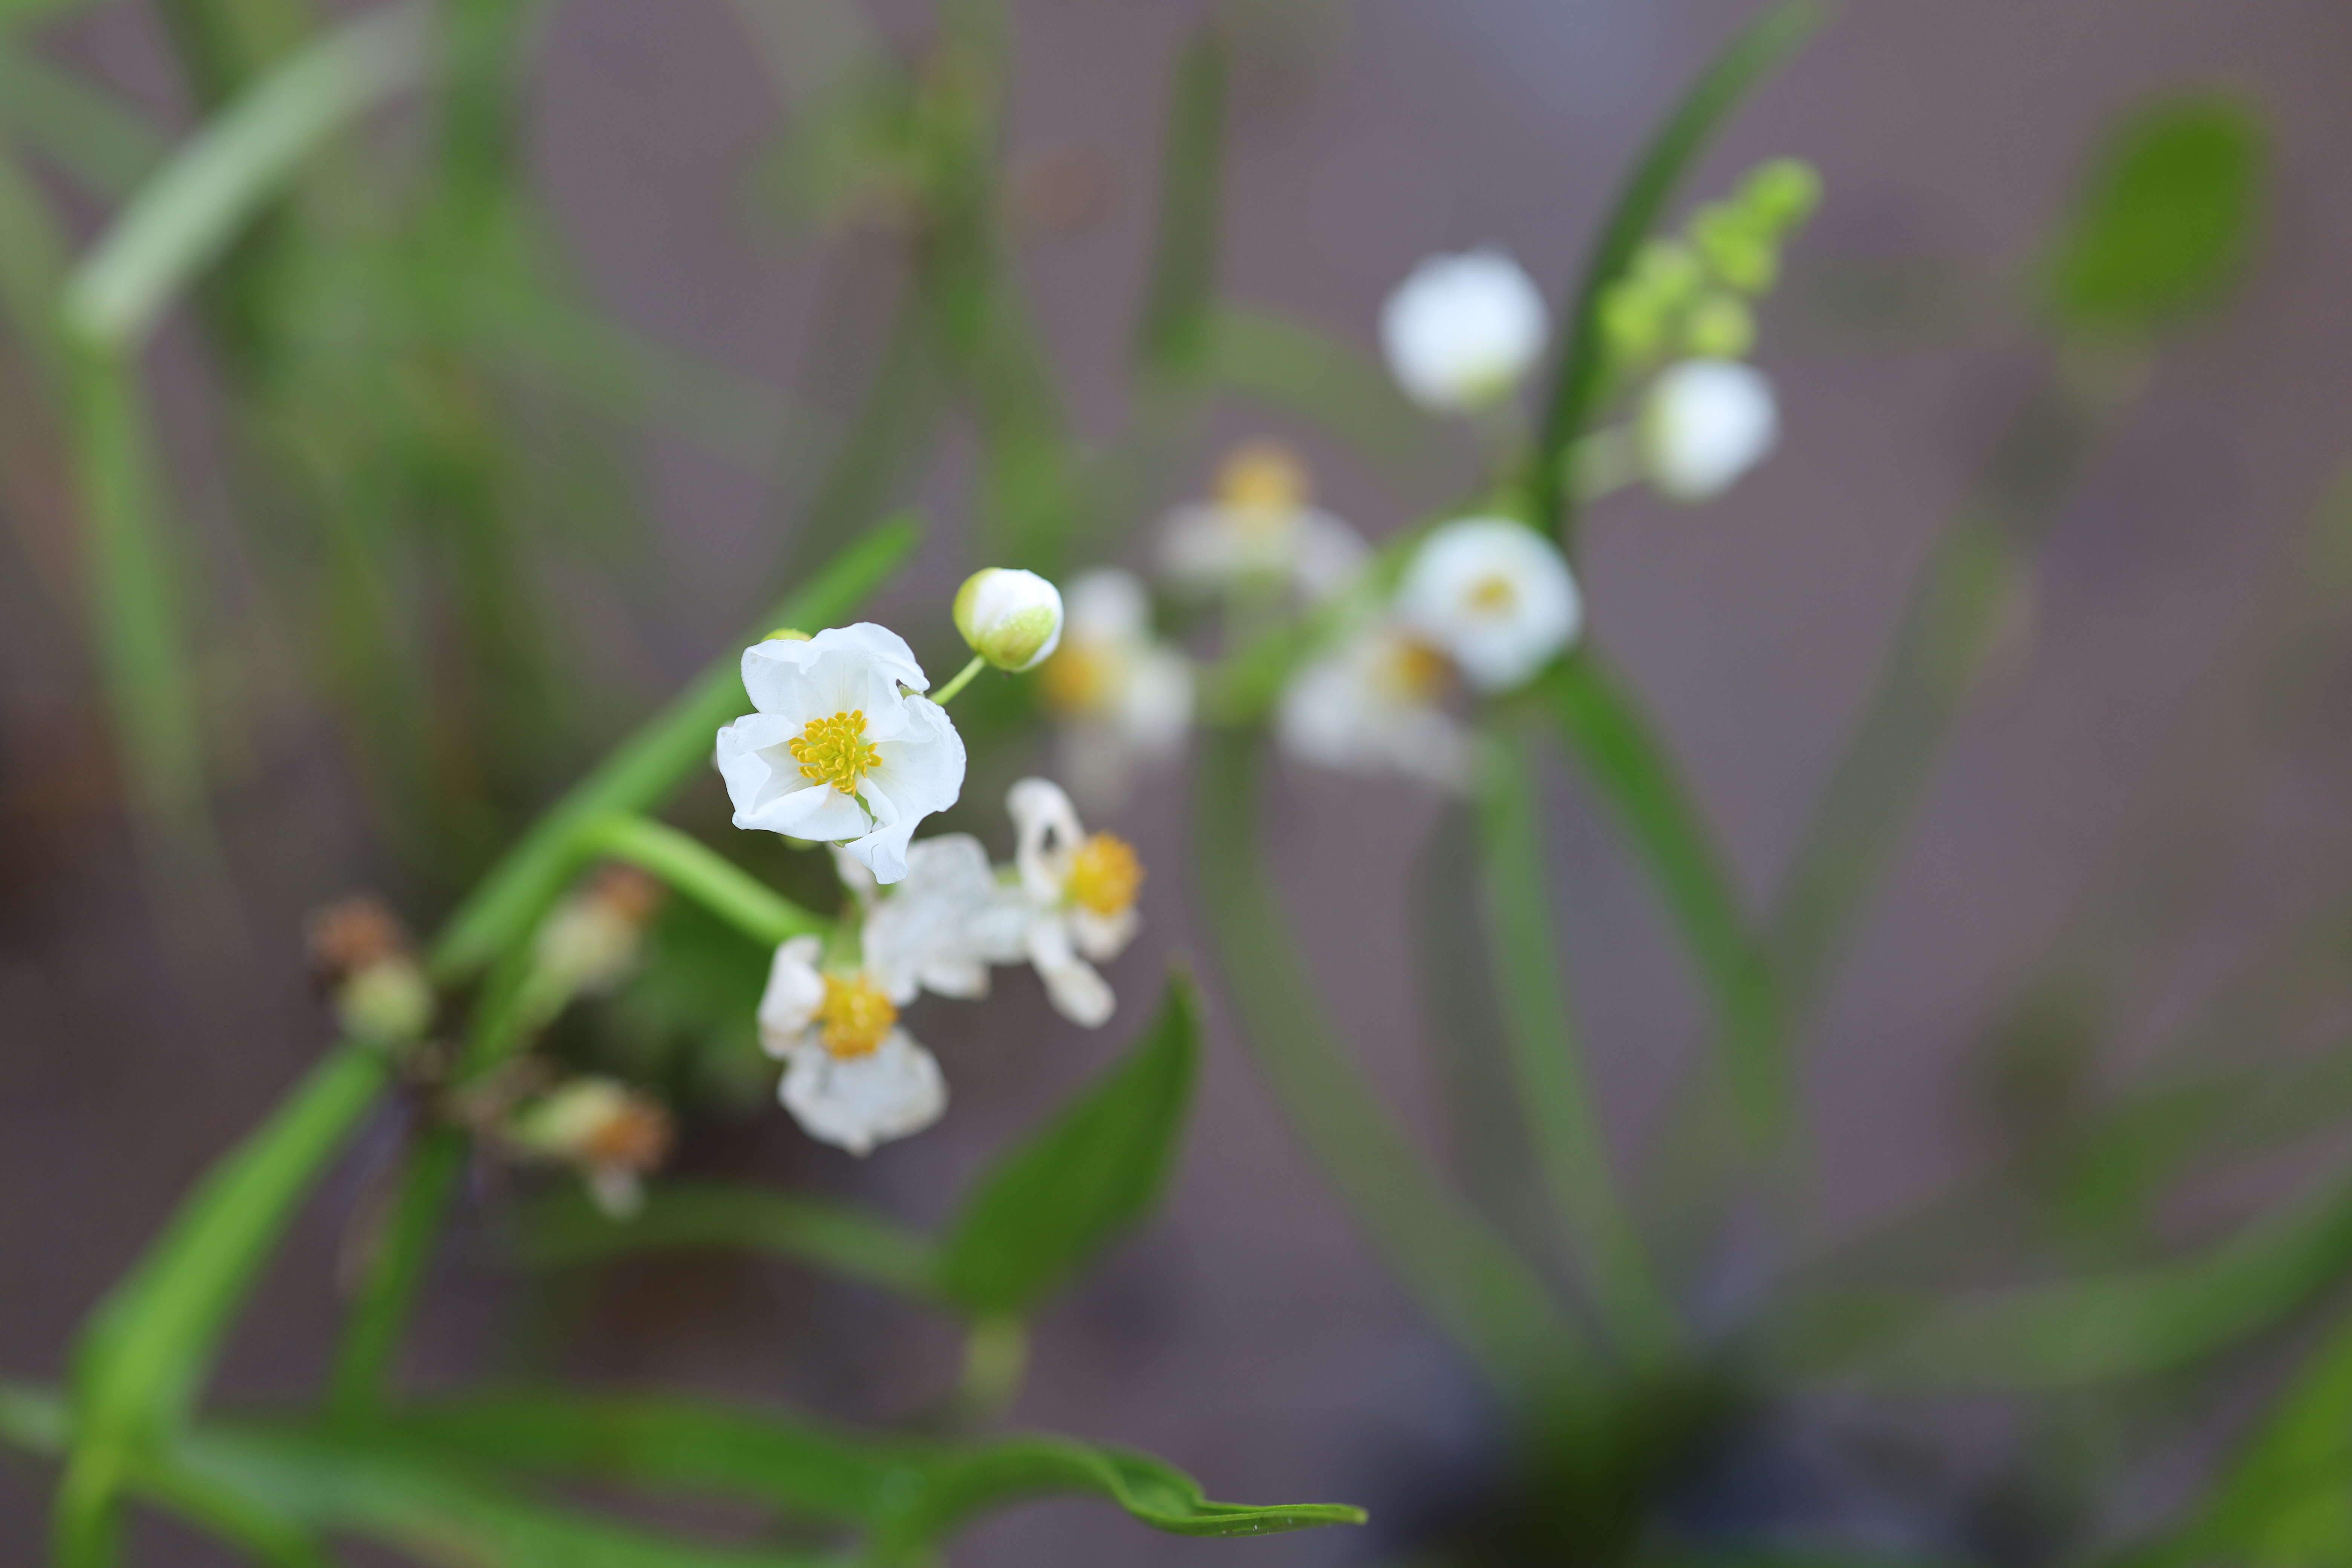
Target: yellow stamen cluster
1104	875
835	751
1493	594
856	1018
1417	671
1077	678
1264	478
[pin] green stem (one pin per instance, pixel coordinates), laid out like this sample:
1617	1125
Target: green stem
995	1360
1468	1281
1547	1059
946	694
395	1273
720	886
1579	380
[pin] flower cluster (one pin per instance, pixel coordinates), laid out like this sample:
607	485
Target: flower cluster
853	1075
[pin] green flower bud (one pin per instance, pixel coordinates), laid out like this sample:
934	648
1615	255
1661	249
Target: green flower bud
1736	248
1013	619
388	1001
1668	272
1782	193
1720	326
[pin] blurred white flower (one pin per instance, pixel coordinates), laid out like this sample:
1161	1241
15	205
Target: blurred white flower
1261	525
1013	619
838	750
1462	329
1120	698
851	1077
1494	595
1704	422
1080	891
939	928
1371	705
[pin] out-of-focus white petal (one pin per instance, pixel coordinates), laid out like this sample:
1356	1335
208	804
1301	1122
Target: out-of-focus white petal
1075	990
856	1102
1104	937
930	933
1494	595
1106	603
1365	708
1462	330
795	991
1706	423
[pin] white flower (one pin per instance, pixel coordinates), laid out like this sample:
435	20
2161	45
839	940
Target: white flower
837	751
1462	329
1493	595
853	1077
1706	423
1080	891
1260	525
1013	619
1120	697
939	928
1371	705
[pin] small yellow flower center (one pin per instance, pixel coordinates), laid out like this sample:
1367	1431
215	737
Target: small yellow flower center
1104	875
835	751
1417	671
1493	594
856	1018
1077	678
1263	481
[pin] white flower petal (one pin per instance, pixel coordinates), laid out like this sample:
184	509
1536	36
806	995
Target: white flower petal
1706	423
856	1102
931	932
794	993
1047	834
919	774
1494	594
1075	990
1104	937
1106	604
1462	330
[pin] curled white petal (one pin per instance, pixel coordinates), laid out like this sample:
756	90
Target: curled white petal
1706	423
1047	833
856	1102
1494	595
1076	991
1462	330
795	991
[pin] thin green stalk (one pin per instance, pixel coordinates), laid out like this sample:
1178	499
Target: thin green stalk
1547	1057
394	1277
140	1360
642	772
961	679
567	1227
1503	1318
1580	377
717	884
1172	338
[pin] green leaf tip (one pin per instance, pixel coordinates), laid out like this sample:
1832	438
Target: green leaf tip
2167	220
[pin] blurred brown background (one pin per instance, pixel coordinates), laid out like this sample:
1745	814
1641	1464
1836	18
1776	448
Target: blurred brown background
1249	1336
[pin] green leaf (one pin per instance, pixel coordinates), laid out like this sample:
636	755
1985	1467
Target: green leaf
2167	220
2133	1323
565	1227
104	143
191	208
1094	1171
139	1360
1579	378
645	768
1173	338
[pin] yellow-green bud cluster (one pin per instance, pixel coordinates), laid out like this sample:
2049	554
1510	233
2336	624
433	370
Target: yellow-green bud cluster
1689	297
1013	619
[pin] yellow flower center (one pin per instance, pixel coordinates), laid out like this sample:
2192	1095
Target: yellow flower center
835	751
1493	594
856	1018
1077	678
1104	875
1417	671
1264	481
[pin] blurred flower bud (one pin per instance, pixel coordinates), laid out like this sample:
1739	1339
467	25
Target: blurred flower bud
612	1134
1462	329
1706	423
1736	247
1719	326
377	989
590	943
1782	193
1013	619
